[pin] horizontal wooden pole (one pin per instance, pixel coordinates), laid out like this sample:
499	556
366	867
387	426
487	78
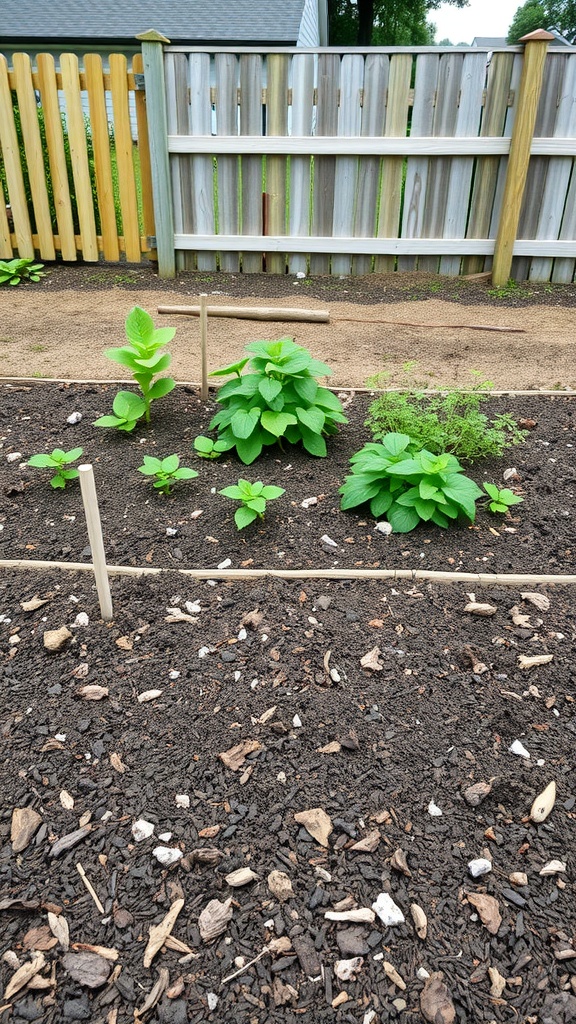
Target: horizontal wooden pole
414	50
338	145
372	246
319	316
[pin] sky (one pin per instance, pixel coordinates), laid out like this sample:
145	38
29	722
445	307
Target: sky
480	18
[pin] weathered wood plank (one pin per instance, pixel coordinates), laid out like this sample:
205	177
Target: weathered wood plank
427	246
144	152
153	60
333	145
460	182
176	77
301	166
276	124
125	156
426	81
392	167
445	114
102	164
346	172
34	153
376	69
327	83
251	168
13	169
510	118
56	156
227	124
79	156
202	166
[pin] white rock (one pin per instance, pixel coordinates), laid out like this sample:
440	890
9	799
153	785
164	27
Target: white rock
81	619
237	676
203	652
148	695
345	970
212	1000
182	800
519	749
165	837
335	675
171	531
479	867
325	539
14	456
74	418
281	777
225	564
173	674
297	722
193	607
300	274
60	736
142	829
553	867
308	502
242	634
388	911
384	528
433	810
422	974
166	855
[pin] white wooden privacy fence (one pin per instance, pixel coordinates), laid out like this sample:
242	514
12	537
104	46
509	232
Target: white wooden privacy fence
344	162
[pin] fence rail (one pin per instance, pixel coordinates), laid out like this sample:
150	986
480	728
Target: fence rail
73	184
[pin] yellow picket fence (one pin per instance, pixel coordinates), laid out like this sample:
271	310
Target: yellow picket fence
73	192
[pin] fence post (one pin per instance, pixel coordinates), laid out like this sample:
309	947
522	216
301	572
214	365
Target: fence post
522	134
153	58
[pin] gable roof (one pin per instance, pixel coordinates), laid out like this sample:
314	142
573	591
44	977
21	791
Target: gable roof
182	21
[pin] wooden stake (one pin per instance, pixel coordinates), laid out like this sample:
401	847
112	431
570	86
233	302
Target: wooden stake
204	346
314	316
520	145
88	489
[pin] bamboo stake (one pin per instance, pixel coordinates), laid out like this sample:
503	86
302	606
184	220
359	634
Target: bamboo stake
316	316
90	500
204	346
480	579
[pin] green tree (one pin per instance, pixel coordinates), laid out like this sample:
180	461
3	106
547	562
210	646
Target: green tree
383	22
528	18
562	15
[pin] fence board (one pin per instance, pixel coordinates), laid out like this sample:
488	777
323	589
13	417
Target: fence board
125	156
102	163
445	114
392	167
79	156
301	166
176	77
503	164
536	178
251	169
227	124
144	154
346	171
328	80
47	84
564	269
13	168
202	166
34	153
460	181
276	124
376	72
6	251
427	67
558	173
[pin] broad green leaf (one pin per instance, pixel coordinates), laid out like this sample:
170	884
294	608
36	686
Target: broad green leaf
440	519
233	491
58	482
73	454
255	488
42	462
204	445
69	474
184	473
276	422
328	400
128	406
225	371
269	388
495	506
313	443
395	444
381	503
157	362
258	504
170	463
139	325
402	519
243	422
427	490
319	369
123	356
270	491
161	387
312	418
108	421
425	509
406	468
248	450
305	388
356	490
295	362
243	516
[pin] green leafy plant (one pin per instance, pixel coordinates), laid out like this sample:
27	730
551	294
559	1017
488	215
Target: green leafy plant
447	422
127	409
166	471
57	460
142	356
278	398
409	485
14	271
253	498
208	448
500	500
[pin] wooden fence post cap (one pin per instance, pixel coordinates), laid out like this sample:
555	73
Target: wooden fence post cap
539	36
152	36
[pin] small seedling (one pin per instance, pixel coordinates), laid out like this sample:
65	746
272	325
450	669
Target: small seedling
58	460
14	271
500	500
127	409
253	497
207	448
166	471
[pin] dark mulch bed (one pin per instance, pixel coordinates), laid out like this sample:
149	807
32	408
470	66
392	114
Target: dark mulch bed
42	524
424	728
366	290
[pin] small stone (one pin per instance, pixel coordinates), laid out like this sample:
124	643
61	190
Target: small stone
308	502
25	823
173	675
225	564
183	800
54	639
297	722
165	837
87	968
142	829
346	970
388	911
280	885
148	695
240	877
171	531
433	810
519	878
167	856
81	619
384	528
74	418
519	749
14	456
399	1004
479	867
422	974
553	867
212	1001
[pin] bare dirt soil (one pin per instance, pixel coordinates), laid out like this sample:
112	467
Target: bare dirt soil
60	327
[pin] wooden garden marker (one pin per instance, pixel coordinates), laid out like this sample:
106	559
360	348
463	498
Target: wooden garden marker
204	346
279	314
88	489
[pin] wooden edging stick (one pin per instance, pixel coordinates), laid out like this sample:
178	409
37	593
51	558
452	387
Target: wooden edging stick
204	346
88	489
315	316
